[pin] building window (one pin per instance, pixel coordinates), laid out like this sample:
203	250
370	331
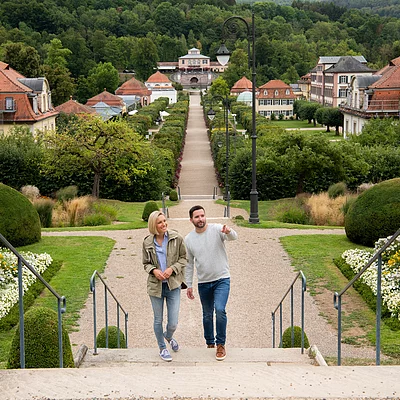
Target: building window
204	61
343	79
183	61
9	103
265	92
276	93
277	102
342	92
287	91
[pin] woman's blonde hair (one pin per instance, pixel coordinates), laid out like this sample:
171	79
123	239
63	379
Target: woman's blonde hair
152	221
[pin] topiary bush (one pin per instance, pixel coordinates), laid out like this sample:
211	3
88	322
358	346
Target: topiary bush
374	214
287	338
149	207
19	221
173	195
112	338
41	342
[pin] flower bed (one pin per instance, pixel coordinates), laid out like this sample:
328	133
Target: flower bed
356	259
9	276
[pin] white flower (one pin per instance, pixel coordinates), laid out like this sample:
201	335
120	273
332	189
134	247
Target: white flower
9	278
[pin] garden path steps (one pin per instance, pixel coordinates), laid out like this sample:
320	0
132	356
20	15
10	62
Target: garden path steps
261	273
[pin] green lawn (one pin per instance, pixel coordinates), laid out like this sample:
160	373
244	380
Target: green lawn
314	254
81	256
294	124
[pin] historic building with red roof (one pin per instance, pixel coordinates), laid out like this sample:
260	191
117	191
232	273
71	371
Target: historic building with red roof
275	98
25	101
376	96
107	105
242	85
160	86
73	107
134	92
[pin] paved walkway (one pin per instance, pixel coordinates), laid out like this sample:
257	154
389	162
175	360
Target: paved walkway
261	273
260	268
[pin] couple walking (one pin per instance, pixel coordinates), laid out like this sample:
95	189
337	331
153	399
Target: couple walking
170	260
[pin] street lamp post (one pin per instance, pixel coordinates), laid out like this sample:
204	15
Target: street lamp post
211	116
223	55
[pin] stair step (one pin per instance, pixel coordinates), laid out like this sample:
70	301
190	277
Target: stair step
194	356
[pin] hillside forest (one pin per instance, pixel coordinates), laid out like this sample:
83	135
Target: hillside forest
80	45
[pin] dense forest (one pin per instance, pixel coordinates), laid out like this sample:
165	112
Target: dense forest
74	42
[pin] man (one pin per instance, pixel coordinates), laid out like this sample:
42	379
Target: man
205	247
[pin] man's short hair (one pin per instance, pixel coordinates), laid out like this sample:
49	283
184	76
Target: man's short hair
195	208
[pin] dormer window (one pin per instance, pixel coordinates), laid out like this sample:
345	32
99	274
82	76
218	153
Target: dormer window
276	93
265	92
9	103
35	105
287	92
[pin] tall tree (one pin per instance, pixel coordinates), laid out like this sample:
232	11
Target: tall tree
105	148
145	58
24	59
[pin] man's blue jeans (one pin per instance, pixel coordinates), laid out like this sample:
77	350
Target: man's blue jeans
173	300
214	296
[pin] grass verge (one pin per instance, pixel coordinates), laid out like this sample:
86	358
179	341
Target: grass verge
80	256
314	254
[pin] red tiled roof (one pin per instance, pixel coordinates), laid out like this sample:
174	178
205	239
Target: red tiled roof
158	77
133	87
106	97
242	85
73	107
268	90
389	80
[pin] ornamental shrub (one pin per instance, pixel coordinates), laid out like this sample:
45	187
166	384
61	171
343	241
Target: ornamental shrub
19	221
112	338
374	214
149	207
287	338
67	193
337	189
44	208
173	195
41	342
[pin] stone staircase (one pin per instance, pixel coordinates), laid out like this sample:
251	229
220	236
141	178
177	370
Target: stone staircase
195	374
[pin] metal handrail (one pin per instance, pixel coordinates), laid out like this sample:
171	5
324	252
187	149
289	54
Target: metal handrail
337	298
279	306
61	303
119	307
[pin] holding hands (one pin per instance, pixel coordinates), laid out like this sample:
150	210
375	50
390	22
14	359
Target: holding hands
162	275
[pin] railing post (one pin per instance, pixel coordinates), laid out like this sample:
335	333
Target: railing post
303	289
118	341
60	343
378	310
21	315
179	192
126	330
280	325
291	316
338	300
106	313
273	330
163	203
93	289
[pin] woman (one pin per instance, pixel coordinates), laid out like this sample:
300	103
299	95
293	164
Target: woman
164	259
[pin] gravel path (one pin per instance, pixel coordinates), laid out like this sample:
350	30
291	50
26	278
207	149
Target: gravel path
260	269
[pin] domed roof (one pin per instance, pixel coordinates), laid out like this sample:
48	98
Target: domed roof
245	97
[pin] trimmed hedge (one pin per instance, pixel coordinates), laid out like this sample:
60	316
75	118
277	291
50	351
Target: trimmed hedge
41	342
12	318
112	338
19	221
149	207
375	213
287	338
366	293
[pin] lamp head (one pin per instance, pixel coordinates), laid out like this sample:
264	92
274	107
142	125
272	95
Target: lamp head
223	54
211	114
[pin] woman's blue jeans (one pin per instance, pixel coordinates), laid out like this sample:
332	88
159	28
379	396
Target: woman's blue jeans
214	296
173	299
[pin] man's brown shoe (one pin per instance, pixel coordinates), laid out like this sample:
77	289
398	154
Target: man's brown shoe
210	346
221	353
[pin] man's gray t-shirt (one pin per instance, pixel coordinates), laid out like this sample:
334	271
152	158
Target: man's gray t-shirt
207	252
